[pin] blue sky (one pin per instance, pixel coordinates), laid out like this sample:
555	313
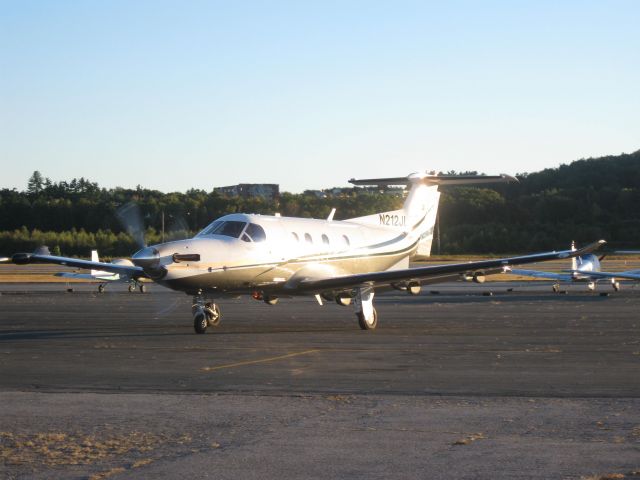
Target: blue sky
175	95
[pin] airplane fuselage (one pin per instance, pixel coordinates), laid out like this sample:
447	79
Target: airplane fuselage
239	253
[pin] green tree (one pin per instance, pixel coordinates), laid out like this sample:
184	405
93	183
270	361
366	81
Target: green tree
36	183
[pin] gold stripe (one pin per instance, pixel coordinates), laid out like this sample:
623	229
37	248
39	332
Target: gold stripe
263	360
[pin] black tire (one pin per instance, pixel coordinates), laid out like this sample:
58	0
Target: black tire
200	322
100	288
364	325
131	288
143	289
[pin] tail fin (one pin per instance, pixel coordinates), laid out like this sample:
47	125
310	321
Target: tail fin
95	258
418	214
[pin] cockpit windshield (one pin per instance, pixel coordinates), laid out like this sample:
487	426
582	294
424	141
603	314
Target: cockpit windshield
233	228
228	228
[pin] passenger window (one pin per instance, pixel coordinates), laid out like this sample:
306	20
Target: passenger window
307	238
346	240
255	233
295	236
325	239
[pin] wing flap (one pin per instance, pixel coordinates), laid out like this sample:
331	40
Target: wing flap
561	277
630	275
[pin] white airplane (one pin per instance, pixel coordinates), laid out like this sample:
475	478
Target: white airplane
272	256
104	277
584	268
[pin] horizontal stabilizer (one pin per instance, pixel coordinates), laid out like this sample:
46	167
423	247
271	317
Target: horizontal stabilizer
427	179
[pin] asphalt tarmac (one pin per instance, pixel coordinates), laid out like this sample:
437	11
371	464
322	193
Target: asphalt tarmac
522	383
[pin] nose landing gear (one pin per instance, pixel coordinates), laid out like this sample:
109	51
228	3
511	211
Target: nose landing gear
205	314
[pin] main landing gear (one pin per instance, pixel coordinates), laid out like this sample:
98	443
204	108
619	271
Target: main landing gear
365	311
205	314
140	286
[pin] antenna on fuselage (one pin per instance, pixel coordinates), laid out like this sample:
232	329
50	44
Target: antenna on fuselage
330	217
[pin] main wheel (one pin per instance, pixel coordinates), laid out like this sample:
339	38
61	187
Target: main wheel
131	288
213	314
367	324
616	286
200	322
556	288
100	288
143	288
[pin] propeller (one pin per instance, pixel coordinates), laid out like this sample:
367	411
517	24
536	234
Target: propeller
131	219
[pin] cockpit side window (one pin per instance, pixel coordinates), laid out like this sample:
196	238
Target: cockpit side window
227	228
255	232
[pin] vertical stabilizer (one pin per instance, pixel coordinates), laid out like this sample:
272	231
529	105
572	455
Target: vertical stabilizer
95	258
417	217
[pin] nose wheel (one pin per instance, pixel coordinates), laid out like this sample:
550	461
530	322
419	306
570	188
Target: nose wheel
205	314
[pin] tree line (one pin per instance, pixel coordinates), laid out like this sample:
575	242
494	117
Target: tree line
582	201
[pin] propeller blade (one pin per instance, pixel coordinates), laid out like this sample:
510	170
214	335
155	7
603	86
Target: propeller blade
131	220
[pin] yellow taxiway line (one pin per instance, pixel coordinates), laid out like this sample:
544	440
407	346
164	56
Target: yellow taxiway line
262	360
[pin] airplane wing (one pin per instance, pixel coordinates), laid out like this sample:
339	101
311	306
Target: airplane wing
424	273
42	256
87	276
560	277
630	275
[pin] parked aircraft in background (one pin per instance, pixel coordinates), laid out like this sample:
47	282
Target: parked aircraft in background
270	257
4	259
104	277
585	269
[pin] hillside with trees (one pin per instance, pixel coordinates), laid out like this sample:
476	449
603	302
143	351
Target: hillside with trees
583	201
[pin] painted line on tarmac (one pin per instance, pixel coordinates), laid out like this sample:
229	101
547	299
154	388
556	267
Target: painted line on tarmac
262	360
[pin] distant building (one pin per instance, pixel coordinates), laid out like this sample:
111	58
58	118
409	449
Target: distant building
315	193
248	190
